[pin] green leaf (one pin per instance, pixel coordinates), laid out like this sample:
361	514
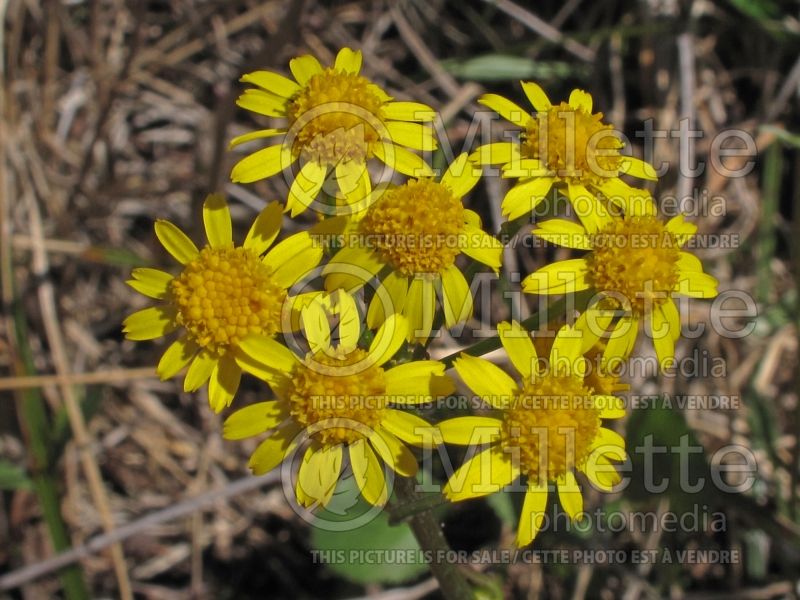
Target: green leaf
501	67
364	553
13	477
503	505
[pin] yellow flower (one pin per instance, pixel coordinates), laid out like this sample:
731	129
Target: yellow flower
339	398
565	145
550	426
635	264
411	236
223	294
337	120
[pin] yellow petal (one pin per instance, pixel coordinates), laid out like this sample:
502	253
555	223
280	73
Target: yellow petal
582	100
293	258
348	61
403	161
689	263
262	164
681	228
562	277
417	382
525	197
564	233
601	473
536	95
698	285
268	352
262	103
175	242
350	268
316	327
306	187
349	326
388	339
622	340
566	353
254	135
253	420
496	153
487	472
150	282
484	248
408	111
318	474
412	135
569	493
223	383
485	379
272	82
368	473
420	308
519	347
355	186
461	176
456	300
532	515
304	68
506	108
217	221
176	357
636	167
200	370
611	407
271	452
663	337
393	452
410	428
608	442
149	323
389	299
470	431
264	229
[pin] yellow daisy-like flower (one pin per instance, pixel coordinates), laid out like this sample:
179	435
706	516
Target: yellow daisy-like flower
565	145
337	120
550	426
224	294
635	264
411	236
339	400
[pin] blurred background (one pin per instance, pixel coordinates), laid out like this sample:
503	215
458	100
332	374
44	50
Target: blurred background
116	113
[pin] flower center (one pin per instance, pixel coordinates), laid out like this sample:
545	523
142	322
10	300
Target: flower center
336	397
574	144
416	227
553	423
336	115
635	258
225	294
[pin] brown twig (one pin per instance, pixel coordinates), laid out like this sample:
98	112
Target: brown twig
181	509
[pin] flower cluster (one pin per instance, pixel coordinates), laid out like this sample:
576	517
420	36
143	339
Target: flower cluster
337	319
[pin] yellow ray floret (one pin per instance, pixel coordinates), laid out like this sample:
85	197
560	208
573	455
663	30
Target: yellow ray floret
336	121
550	428
223	294
340	399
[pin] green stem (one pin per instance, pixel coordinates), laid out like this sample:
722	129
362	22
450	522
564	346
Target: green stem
493	343
33	415
452	582
420	503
